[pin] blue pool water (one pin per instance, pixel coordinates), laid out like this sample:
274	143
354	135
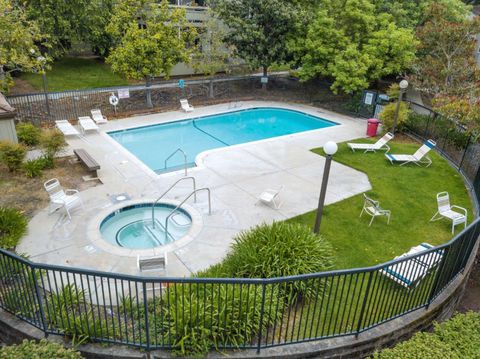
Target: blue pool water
153	144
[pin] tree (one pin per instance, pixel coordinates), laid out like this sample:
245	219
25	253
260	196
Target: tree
466	110
99	14
18	49
446	64
154	47
351	44
260	29
213	54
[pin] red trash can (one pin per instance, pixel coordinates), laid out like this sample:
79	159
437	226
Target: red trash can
372	126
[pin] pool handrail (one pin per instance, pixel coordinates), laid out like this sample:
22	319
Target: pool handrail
185	163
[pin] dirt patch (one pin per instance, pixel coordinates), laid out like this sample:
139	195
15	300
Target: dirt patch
471	298
22	87
28	195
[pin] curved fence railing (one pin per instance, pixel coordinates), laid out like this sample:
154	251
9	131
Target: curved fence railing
188	313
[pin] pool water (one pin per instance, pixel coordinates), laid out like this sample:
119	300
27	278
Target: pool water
131	226
154	144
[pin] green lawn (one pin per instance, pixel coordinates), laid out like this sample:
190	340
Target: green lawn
75	73
408	191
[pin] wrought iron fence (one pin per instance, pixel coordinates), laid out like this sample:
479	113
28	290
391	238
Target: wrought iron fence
188	313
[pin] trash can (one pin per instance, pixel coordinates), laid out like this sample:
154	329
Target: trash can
372	126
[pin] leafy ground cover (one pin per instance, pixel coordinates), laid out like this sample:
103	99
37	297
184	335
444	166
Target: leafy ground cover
76	73
408	191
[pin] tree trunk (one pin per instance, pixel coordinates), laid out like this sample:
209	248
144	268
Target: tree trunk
265	74
210	89
148	92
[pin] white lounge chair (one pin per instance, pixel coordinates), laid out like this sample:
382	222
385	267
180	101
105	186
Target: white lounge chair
66	128
87	124
381	144
186	106
408	273
372	208
98	117
60	198
445	210
270	197
419	158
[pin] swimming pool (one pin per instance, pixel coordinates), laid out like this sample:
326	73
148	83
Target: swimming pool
155	143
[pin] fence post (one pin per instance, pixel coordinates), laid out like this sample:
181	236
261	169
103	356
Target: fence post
264	287
438	275
39	299
465	152
428	123
367	291
145	304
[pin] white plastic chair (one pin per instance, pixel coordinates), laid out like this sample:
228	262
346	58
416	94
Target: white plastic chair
372	208
186	106
445	210
270	197
381	144
419	158
98	117
87	124
66	128
60	198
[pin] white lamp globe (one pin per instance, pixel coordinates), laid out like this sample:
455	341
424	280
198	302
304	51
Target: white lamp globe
403	84
330	148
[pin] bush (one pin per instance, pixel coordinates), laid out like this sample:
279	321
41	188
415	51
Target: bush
13	225
41	350
387	116
34	168
12	155
52	143
28	134
455	338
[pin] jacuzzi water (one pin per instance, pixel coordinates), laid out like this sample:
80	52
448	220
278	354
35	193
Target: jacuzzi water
131	226
155	143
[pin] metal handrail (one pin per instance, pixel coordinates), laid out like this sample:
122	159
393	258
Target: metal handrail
184	158
168	190
180	205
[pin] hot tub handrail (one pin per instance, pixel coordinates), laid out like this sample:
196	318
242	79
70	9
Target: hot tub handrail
184	159
180	205
168	190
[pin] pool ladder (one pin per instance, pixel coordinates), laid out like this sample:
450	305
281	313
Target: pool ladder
185	164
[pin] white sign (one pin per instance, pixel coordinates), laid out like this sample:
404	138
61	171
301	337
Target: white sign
123	93
368	98
264	79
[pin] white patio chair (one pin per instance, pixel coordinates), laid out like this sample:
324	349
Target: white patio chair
186	106
381	144
60	198
419	158
98	117
270	197
445	210
408	273
87	124
372	208
66	128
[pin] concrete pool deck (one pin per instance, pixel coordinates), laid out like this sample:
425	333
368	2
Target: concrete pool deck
236	175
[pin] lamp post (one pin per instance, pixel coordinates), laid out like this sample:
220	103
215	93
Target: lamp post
330	149
403	86
42	61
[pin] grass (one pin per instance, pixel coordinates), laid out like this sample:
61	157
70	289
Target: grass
76	73
408	191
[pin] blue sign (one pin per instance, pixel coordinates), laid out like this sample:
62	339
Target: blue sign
181	84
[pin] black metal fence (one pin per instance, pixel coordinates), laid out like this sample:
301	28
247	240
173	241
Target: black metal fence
193	314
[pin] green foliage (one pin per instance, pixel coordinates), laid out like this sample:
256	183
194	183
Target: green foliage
52	143
13	225
387	116
462	109
353	45
34	168
38	350
28	134
455	338
12	155
261	29
18	43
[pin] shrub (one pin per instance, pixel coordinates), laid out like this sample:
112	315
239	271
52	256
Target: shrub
12	155
52	143
28	134
41	350
387	116
455	338
34	168
13	225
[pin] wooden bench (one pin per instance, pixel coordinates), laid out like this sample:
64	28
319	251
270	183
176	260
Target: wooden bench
152	263
87	160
